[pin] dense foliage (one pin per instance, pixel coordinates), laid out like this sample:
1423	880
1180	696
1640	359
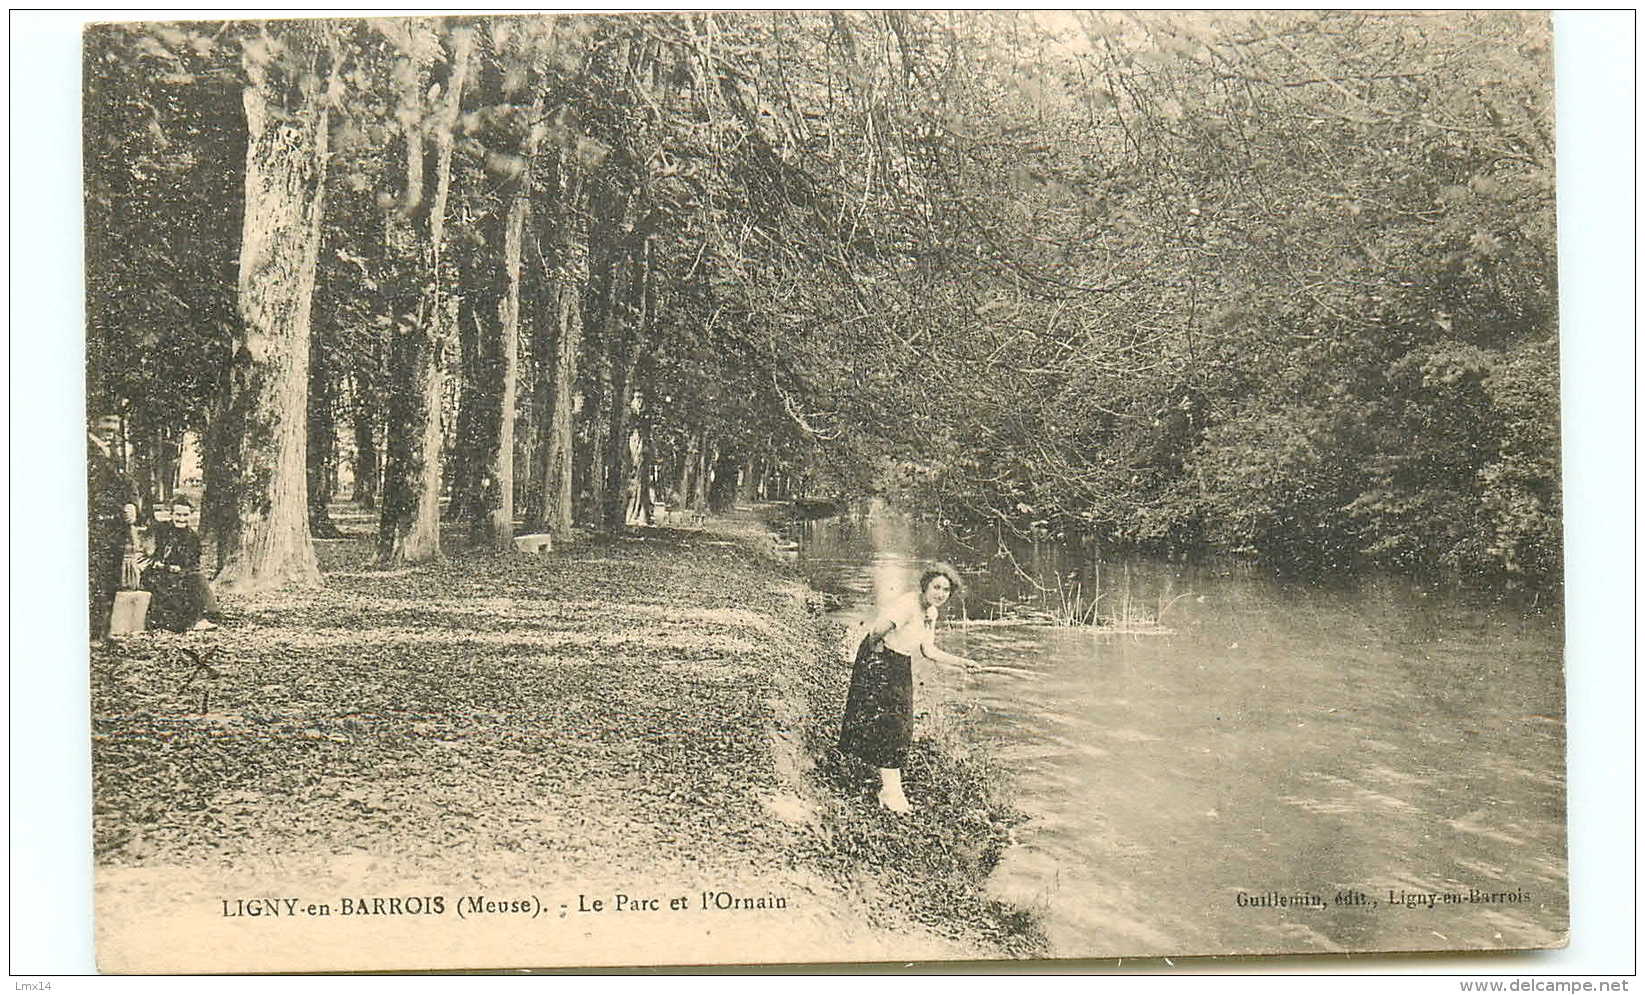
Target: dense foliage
1279	284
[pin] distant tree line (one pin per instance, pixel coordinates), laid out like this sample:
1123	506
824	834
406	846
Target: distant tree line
1279	284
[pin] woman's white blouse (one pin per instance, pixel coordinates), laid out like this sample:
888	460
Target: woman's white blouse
913	622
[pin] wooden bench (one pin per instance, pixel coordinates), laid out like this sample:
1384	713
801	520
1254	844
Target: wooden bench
537	542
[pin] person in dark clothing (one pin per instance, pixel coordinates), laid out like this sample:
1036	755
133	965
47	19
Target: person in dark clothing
879	708
111	512
181	595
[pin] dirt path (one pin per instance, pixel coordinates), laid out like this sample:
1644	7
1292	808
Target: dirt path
491	746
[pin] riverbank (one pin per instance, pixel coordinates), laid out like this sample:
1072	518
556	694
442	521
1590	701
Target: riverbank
1402	737
494	746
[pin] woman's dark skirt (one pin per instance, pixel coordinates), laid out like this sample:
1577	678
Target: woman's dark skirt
879	709
180	600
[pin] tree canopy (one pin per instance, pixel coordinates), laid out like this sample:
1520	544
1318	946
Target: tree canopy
1272	283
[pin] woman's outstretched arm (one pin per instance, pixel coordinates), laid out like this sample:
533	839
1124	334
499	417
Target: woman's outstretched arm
938	655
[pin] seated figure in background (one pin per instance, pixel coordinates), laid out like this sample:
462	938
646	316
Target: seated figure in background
181	595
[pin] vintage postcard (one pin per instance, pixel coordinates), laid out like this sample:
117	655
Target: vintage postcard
822	487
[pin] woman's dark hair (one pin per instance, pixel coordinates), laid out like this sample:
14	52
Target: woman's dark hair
179	499
936	570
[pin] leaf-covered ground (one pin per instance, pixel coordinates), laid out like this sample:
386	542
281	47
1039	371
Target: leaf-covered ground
656	704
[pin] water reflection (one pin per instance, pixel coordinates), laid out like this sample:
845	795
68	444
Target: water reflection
1375	737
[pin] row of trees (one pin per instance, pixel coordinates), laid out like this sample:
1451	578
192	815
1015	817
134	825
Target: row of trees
1275	283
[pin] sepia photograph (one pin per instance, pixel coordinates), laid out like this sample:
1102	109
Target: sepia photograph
822	487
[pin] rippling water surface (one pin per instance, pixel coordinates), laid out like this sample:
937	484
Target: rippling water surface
1374	737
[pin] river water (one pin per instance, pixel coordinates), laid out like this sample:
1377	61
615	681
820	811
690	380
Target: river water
1366	744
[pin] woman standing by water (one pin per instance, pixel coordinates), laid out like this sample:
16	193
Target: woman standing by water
879	709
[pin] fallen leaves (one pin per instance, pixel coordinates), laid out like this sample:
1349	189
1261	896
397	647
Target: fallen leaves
607	708
437	711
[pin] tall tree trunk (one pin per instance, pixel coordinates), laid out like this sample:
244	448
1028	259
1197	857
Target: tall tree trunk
322	440
603	331
477	392
619	461
156	460
366	418
629	323
260	467
559	376
531	431
494	525
410	525
170	461
706	456
154	448
368	466
692	469
632	514
540	322
494	521
679	462
596	428
474	481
